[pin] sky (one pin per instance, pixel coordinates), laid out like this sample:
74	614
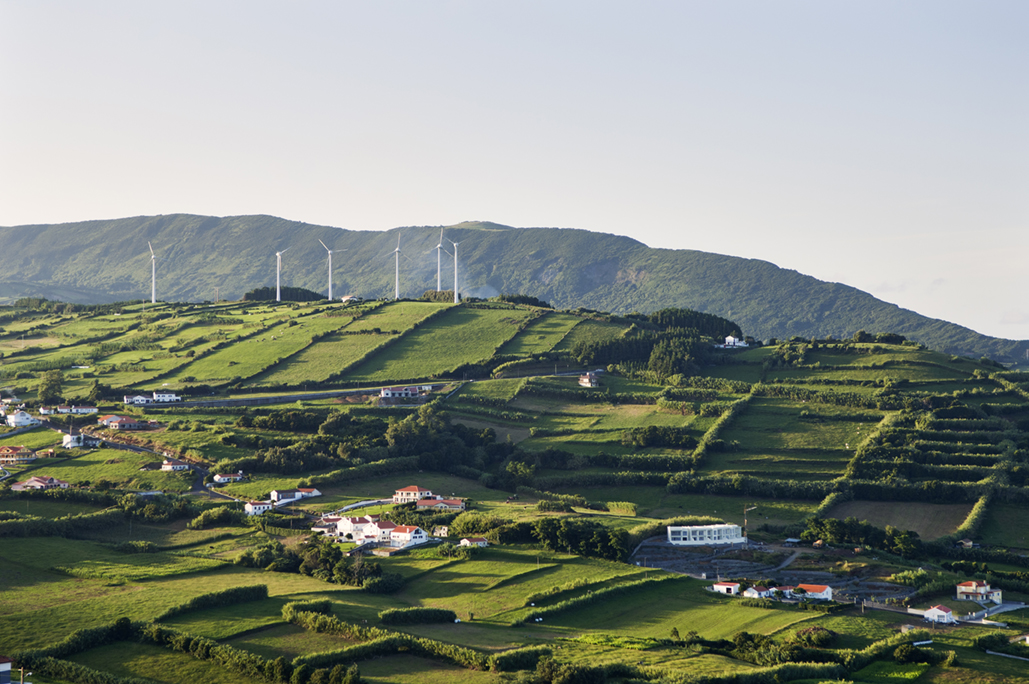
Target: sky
884	145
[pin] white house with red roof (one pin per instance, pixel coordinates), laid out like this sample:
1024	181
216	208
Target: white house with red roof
16	455
327	525
480	542
173	465
757	591
411	494
977	590
818	591
730	588
222	478
21	419
440	505
355	527
39	482
941	614
137	399
379	531
257	507
282	497
407	535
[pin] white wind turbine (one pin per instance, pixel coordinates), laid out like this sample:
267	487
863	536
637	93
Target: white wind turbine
396	253
330	251
153	274
439	260
455	244
278	272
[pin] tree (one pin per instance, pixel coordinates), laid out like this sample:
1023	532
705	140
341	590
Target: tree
51	385
97	392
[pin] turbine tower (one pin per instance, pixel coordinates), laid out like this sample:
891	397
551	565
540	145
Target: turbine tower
278	271
439	250
153	274
330	267
455	244
396	253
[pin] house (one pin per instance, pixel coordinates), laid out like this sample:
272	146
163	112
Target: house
21	419
120	422
83	410
228	477
480	542
407	535
818	591
5	670
354	528
441	531
327	526
281	497
705	535
164	396
257	507
398	393
785	590
170	465
39	482
730	588
379	531
757	592
137	400
977	590
589	379
967	544
16	455
440	505
80	440
45	411
411	494
941	614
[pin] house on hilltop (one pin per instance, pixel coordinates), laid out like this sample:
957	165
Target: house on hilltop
440	505
257	507
16	455
411	494
977	590
21	419
39	482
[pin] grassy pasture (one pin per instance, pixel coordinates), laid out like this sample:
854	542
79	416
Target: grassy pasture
409	669
780	464
542	335
928	520
590	331
503	431
321	360
131	659
114	465
45	508
285	640
1005	526
396	316
37	438
490	389
459	336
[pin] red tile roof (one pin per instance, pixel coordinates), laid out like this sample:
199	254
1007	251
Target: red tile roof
413	488
944	609
813	588
405	529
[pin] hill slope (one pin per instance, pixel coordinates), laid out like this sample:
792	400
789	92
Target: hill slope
108	260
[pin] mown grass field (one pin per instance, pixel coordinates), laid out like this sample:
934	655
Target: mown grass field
1005	526
321	360
590	331
131	659
457	337
38	438
115	466
928	519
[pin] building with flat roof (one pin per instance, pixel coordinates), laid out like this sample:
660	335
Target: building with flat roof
705	535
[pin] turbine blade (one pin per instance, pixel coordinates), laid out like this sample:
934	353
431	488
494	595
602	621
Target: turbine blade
326	246
150	246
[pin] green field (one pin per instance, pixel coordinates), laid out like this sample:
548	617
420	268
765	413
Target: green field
116	466
541	335
457	337
590	331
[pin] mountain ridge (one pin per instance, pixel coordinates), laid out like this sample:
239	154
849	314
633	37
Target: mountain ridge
108	260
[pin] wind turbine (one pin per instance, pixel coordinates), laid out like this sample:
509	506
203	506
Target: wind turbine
439	249
278	271
330	267
455	244
396	253
153	274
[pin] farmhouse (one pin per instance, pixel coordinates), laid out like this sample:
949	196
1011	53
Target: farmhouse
730	588
818	591
976	590
355	527
16	455
21	419
164	396
941	614
121	423
39	482
705	535
411	494
137	400
228	477
80	440
379	531
480	542
327	525
407	535
257	507
75	410
173	465
281	497
757	592
589	379
398	393
440	505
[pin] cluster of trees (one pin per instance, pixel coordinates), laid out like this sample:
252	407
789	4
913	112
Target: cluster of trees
904	543
584	537
657	436
322	559
288	294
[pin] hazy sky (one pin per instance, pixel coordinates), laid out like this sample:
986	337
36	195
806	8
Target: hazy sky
879	144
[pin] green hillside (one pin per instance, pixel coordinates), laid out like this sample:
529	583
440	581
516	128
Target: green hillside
108	260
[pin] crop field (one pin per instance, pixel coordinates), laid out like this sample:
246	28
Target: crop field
115	466
458	337
928	519
541	335
590	331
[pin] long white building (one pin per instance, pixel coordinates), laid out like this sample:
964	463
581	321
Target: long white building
705	535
